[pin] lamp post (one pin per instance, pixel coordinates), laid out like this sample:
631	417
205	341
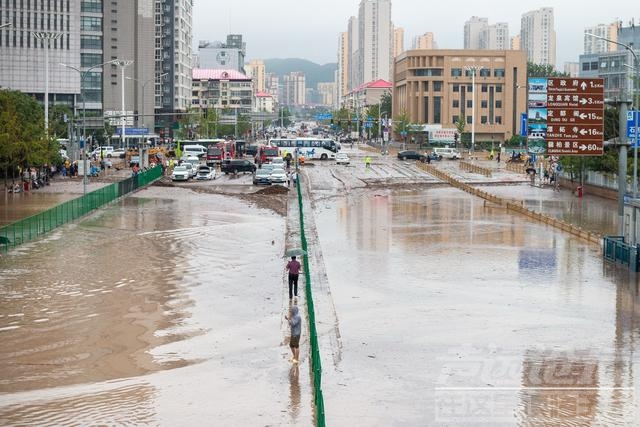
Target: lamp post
122	63
473	69
83	75
144	85
637	69
46	36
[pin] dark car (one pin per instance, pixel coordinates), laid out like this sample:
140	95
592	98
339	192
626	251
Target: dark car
237	165
251	150
410	154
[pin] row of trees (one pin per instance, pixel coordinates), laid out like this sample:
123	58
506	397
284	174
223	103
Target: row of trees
23	143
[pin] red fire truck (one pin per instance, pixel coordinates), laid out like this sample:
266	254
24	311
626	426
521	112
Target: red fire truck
266	153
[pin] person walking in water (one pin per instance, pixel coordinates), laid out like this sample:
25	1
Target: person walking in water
295	322
367	162
294	270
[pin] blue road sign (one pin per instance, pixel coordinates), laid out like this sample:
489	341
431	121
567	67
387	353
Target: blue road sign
631	123
523	124
133	131
368	124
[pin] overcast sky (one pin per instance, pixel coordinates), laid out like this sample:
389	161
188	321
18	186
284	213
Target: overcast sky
309	28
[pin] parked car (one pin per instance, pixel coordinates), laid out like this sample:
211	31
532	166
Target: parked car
278	176
278	162
261	176
411	154
181	173
447	153
189	166
205	173
119	153
237	165
342	159
104	151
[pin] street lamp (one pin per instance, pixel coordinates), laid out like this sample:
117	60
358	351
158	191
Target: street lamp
473	69
122	63
46	36
83	76
637	82
144	85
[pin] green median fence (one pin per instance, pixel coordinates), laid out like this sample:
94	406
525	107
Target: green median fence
316	367
36	226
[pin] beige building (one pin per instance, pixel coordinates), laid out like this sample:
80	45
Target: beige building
425	41
515	42
435	87
327	91
595	45
256	70
342	81
538	36
398	41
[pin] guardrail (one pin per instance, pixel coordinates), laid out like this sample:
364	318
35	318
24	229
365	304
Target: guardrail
316	366
616	250
473	168
516	206
36	226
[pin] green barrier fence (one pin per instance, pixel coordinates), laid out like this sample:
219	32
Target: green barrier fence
316	367
34	227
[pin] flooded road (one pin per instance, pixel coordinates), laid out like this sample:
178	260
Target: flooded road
168	300
449	311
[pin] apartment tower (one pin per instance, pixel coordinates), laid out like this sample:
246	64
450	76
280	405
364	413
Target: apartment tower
375	35
538	36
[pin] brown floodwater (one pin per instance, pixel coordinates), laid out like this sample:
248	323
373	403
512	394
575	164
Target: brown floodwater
451	311
14	207
165	308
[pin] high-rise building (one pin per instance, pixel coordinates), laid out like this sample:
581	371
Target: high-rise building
374	40
326	91
515	43
22	53
342	76
495	37
272	86
222	56
256	70
595	45
572	68
425	41
354	58
472	30
294	90
538	36
174	57
398	41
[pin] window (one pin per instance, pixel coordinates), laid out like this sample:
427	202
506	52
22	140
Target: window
594	65
484	104
485	72
90	59
437	109
428	72
90	23
498	120
469	119
456	103
455	119
498	72
585	66
498	88
469	88
485	88
483	120
94	6
498	104
456	72
437	86
91	42
456	88
469	103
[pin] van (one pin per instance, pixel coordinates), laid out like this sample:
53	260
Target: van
105	151
447	153
194	150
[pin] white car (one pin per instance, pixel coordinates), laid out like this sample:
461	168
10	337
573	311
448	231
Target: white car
206	173
278	176
181	173
342	159
119	153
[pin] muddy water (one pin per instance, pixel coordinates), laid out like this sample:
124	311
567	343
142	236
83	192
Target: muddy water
14	207
453	312
163	302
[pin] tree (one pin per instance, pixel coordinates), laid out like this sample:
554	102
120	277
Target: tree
386	104
402	124
58	127
543	70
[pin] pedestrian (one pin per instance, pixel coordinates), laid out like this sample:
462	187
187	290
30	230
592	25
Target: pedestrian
293	267
498	157
294	178
367	162
295	322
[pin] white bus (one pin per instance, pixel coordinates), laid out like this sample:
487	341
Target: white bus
310	148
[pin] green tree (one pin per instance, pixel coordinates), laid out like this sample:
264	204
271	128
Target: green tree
386	104
58	128
543	70
402	124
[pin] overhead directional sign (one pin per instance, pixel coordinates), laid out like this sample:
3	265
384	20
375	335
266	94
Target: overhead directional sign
575	113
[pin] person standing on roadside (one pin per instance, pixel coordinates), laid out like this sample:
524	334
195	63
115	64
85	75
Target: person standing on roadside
367	162
295	322
293	267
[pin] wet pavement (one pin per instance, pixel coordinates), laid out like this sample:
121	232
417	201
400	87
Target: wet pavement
433	308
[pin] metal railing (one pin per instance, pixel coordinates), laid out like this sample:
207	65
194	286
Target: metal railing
316	367
616	250
36	226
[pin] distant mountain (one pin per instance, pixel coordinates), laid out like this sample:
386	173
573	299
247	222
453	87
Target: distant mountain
314	73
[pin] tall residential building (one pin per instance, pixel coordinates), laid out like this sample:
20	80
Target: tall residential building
595	45
495	37
434	87
272	86
515	42
294	90
326	92
572	68
374	40
22	54
174	36
342	76
354	58
472	30
256	70
425	41
398	41
538	36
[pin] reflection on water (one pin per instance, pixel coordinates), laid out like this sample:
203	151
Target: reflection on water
294	392
14	207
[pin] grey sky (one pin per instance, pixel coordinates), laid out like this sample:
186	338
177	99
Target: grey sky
309	28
